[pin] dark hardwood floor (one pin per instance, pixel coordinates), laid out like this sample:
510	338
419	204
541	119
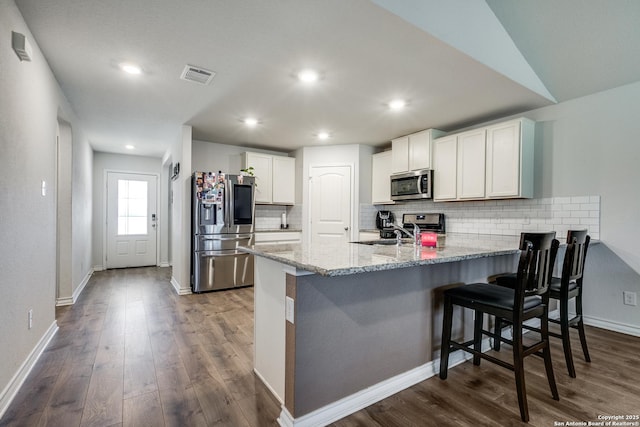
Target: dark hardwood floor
131	352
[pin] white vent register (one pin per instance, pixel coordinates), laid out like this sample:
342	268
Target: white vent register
197	75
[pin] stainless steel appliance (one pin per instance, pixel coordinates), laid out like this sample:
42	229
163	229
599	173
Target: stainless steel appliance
223	212
384	219
411	185
427	222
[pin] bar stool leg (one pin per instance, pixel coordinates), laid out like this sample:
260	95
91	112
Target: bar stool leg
518	369
580	326
497	330
566	336
477	335
546	353
447	320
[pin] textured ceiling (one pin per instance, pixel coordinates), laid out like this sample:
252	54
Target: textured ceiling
367	53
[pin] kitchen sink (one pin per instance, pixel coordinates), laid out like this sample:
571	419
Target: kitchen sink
382	242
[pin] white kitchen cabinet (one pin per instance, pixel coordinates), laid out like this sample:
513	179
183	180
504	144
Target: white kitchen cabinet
493	162
275	177
471	165
380	182
284	179
510	159
413	151
445	167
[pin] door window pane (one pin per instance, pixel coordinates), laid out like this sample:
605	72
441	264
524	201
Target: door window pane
132	207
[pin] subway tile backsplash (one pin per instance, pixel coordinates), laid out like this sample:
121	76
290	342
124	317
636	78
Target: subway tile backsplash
268	217
503	217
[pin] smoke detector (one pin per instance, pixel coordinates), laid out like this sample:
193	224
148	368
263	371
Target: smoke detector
197	75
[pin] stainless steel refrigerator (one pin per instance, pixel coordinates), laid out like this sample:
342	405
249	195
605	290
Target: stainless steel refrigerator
223	217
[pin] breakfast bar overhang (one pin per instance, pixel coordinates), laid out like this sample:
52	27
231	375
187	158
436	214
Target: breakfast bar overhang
339	326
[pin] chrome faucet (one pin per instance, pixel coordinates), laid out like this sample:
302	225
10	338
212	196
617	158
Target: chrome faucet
414	236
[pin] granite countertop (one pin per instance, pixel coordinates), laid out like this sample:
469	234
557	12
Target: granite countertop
341	258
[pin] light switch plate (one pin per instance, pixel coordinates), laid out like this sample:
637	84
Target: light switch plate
289	314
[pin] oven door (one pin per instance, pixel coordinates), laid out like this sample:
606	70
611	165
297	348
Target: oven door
215	270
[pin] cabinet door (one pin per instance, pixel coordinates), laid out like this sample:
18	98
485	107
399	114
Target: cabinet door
262	165
380	182
420	150
400	154
503	160
471	164
445	168
284	180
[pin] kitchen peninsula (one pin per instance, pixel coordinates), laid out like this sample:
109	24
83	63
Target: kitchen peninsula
339	326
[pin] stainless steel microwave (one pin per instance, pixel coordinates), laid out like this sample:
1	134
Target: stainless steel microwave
411	185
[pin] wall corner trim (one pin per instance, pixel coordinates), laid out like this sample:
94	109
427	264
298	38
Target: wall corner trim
179	290
11	390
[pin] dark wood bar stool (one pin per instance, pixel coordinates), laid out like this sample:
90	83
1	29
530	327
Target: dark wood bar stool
563	289
528	300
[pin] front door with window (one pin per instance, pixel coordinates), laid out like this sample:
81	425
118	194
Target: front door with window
131	220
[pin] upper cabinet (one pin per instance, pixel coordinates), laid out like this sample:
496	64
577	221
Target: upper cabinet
510	156
471	165
275	177
493	162
380	182
413	151
284	180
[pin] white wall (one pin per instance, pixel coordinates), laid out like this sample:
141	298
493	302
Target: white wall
30	106
180	206
119	163
591	145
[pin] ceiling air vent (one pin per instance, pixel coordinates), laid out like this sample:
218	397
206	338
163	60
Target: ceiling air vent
197	75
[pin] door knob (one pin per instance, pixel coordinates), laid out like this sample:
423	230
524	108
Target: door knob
346	229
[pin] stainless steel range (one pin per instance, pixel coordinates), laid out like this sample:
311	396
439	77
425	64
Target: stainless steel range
222	220
427	222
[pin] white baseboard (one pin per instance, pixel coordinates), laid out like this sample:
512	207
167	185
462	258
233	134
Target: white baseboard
164	264
612	326
98	268
72	300
266	384
10	391
179	290
360	400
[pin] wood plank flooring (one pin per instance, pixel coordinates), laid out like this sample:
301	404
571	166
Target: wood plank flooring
131	352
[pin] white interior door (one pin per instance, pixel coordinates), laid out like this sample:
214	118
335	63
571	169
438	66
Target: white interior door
330	202
131	220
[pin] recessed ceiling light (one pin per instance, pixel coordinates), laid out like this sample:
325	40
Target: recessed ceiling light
308	76
250	122
397	104
130	68
323	135
129	147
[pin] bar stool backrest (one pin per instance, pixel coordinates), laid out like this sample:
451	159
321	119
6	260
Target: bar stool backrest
536	261
577	246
